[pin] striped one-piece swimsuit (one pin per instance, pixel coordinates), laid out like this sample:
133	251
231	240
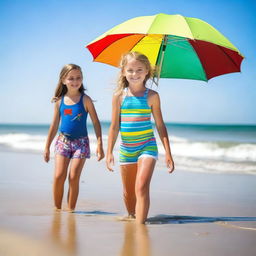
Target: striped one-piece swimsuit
137	136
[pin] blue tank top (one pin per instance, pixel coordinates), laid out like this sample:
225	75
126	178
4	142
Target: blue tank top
73	119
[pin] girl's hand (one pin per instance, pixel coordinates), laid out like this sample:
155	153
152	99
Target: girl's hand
100	153
169	163
110	162
46	155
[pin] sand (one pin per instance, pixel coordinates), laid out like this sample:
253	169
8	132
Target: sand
190	214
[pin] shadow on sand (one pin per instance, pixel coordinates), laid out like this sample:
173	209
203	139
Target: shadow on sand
93	213
178	219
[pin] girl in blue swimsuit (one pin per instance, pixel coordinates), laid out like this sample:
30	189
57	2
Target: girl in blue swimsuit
72	106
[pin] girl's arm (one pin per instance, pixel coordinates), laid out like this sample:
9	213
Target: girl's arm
113	131
52	131
154	102
89	106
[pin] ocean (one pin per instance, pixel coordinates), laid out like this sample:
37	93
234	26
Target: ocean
200	148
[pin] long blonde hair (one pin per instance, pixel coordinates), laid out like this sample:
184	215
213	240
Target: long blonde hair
61	88
122	81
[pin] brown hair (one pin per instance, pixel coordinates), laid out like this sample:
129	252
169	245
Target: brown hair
122	81
61	88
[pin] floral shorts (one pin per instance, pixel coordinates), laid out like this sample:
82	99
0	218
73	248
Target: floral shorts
77	148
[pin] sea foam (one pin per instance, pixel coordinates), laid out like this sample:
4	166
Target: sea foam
188	155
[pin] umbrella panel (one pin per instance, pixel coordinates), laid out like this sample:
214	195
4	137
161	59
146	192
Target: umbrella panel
112	53
180	60
216	60
149	46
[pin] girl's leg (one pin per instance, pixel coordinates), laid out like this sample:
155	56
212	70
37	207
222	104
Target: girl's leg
61	167
145	170
129	172
74	177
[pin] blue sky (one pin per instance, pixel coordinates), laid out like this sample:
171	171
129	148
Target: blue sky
39	37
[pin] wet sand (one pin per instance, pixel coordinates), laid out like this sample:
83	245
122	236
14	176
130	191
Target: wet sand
190	214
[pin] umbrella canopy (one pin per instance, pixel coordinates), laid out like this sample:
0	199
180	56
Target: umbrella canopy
179	46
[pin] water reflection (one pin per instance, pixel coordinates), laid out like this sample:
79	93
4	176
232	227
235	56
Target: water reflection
136	240
63	232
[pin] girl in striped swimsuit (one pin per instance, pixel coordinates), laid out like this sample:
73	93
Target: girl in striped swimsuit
131	112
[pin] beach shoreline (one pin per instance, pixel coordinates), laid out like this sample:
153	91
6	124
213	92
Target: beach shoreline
198	213
195	148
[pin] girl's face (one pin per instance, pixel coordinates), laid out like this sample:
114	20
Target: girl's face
73	80
135	72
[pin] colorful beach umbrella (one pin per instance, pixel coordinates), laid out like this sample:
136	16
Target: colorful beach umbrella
181	47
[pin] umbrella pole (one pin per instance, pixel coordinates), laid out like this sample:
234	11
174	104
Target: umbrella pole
162	57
